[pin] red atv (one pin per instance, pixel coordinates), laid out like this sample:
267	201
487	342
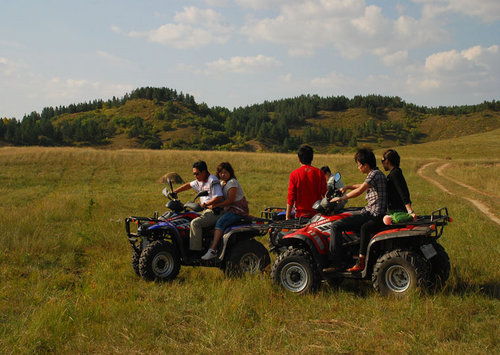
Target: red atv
400	258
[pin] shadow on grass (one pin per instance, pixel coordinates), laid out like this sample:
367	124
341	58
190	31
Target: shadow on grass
460	288
489	289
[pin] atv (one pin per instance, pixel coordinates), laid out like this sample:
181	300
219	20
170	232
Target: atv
161	243
400	257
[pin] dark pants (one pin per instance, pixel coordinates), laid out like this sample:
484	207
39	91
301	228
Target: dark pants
365	222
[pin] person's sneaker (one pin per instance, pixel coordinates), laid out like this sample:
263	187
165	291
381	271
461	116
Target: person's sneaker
210	254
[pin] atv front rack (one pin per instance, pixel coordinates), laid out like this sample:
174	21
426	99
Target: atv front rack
290	224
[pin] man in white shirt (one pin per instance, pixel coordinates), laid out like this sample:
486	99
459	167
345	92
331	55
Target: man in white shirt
204	182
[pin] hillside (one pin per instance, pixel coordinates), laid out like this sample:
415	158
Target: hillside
161	118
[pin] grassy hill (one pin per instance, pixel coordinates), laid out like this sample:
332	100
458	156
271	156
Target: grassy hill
67	285
159	118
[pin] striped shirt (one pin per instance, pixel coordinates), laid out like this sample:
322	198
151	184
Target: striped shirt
376	195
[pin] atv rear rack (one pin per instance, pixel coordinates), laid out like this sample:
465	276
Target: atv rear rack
435	221
272	213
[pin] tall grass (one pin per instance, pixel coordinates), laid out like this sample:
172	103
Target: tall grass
67	286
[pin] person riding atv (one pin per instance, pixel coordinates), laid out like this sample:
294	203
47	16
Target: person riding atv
370	218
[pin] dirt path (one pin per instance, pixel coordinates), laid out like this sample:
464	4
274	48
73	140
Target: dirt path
439	170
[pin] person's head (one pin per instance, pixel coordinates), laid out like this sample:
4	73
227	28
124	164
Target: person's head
365	158
200	170
390	159
326	170
305	154
225	171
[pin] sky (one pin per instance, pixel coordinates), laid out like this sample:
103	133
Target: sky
243	52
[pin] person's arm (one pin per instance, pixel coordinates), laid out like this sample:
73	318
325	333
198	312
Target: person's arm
216	192
288	211
212	202
184	187
291	197
410	211
403	192
401	187
231	196
349	187
358	190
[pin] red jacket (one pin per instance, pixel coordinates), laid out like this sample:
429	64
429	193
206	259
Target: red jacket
307	185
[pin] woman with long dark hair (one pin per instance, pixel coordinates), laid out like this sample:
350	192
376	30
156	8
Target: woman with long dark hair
234	204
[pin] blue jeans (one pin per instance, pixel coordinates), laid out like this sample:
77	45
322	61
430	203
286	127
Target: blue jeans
227	219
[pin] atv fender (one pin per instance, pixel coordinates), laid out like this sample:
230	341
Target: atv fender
296	239
169	228
410	231
235	235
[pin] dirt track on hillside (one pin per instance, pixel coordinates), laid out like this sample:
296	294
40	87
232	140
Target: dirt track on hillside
440	171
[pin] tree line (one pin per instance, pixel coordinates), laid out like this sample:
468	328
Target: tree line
219	128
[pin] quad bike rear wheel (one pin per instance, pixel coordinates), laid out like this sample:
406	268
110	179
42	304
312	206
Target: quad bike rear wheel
440	268
247	256
295	271
159	261
399	272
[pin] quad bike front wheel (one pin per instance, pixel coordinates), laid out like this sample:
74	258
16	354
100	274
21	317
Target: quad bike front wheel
159	261
295	271
399	272
247	256
135	262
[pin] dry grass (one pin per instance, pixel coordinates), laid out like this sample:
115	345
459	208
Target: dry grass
66	284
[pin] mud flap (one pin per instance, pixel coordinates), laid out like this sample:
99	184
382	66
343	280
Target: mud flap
428	250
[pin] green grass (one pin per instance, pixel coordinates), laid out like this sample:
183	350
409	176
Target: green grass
67	286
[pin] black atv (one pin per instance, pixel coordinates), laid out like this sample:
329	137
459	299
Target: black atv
400	258
161	243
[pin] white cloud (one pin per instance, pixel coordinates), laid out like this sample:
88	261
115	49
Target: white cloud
473	71
217	3
263	4
351	27
36	91
371	22
73	90
193	28
112	59
395	59
255	64
333	80
486	10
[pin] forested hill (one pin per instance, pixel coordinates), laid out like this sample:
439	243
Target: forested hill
159	118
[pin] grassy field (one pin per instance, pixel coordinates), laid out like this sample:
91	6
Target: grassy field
67	286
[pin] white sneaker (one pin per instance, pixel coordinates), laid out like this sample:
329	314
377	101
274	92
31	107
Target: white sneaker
210	254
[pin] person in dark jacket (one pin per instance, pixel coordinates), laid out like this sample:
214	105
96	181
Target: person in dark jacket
398	195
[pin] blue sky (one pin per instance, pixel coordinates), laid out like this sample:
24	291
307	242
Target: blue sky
242	52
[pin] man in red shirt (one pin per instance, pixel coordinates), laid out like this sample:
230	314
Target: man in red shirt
307	185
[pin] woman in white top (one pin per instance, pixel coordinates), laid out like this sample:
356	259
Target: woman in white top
234	204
